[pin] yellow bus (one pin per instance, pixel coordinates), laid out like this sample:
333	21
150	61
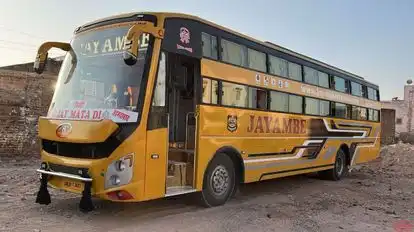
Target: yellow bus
150	105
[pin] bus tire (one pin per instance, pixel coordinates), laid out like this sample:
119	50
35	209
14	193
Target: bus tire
340	168
219	181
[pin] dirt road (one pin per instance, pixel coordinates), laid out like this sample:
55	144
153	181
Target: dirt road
378	197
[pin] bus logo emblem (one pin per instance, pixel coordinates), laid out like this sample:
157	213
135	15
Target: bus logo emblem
63	130
231	123
185	40
184	35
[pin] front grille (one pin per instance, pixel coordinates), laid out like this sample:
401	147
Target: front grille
90	150
80	150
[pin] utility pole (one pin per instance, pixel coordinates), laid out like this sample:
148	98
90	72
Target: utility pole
410	105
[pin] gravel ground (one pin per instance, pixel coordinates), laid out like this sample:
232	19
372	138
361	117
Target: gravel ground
375	197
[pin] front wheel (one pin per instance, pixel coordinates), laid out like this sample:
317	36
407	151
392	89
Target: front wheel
219	181
340	168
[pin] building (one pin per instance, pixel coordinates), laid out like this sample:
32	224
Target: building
404	115
52	66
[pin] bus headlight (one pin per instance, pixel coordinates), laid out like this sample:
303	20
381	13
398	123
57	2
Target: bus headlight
120	165
120	172
115	180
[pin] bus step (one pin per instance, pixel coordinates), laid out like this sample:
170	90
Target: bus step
179	190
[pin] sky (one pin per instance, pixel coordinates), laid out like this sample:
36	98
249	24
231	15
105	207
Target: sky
371	38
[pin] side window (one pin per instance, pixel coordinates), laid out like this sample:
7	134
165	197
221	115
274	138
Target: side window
257	98
373	94
316	77
278	66
373	115
340	110
234	53
257	60
234	95
295	104
215	92
210	91
359	113
159	92
356	89
206	90
295	71
324	108
339	84
279	101
323	80
209	45
157	117
311	76
312	106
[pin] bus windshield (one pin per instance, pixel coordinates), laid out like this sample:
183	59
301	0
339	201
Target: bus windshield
94	83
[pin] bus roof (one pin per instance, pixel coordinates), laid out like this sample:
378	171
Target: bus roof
263	43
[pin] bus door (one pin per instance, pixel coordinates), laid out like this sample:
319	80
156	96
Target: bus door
183	77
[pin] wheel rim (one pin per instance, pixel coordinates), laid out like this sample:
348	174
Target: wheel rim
339	166
220	180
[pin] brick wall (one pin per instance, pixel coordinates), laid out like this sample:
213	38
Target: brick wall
24	97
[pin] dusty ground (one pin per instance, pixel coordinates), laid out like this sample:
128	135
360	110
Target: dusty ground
377	197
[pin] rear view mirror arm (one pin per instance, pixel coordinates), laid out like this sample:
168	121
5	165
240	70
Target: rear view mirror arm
42	54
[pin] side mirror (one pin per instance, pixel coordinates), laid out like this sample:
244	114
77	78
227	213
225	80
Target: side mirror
42	54
180	77
130	55
40	62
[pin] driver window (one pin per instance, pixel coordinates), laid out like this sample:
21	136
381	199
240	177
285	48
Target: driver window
159	92
157	117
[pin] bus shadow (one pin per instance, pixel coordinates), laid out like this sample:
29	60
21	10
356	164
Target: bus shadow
180	204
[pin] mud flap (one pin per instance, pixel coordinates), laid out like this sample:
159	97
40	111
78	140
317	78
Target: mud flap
43	196
85	204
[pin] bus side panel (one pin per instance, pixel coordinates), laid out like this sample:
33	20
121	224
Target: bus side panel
277	144
267	141
369	151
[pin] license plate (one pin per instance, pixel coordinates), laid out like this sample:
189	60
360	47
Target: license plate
78	186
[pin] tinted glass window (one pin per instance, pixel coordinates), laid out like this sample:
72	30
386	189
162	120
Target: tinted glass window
372	94
257	98
373	115
234	95
339	84
340	110
311	76
209	46
279	101
295	104
278	66
324	108
295	71
312	106
359	113
323	79
356	89
210	91
234	53
257	60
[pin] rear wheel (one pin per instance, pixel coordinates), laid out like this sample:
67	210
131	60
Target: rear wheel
340	168
219	181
